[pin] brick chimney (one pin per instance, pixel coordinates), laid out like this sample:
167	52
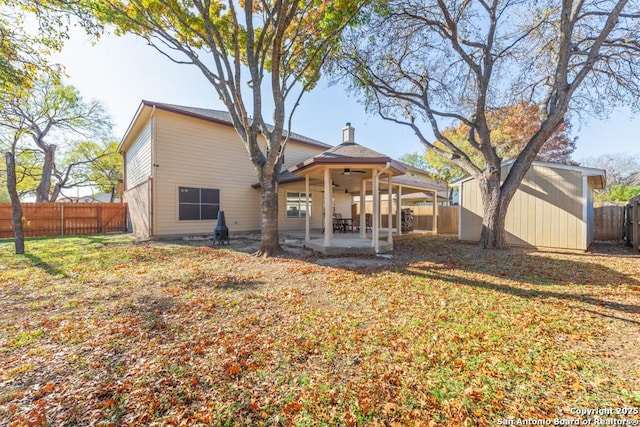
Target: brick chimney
348	134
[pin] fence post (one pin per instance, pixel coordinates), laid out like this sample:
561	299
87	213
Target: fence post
61	219
635	213
99	219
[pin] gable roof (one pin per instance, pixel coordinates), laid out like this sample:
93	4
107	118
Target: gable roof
213	116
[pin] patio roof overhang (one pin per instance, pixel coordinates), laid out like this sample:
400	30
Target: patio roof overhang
420	189
345	166
413	184
285	177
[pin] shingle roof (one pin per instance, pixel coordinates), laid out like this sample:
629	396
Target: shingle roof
348	152
284	178
351	150
223	117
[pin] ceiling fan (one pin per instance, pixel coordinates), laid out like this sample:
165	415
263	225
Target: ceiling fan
348	171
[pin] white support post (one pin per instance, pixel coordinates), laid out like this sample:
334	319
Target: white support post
399	211
328	217
363	209
390	209
435	212
307	235
376	211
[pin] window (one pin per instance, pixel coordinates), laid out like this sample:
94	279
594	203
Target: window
198	203
297	205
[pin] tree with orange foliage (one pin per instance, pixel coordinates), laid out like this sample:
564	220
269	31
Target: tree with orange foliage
511	127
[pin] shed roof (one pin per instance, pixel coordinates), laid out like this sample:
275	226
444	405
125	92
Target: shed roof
599	174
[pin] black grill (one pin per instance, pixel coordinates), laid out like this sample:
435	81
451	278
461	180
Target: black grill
221	231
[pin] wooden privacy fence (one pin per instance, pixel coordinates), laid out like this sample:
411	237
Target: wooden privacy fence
422	217
632	223
608	222
59	219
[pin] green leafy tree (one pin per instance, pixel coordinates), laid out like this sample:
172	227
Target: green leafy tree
430	65
24	53
100	165
259	56
623	193
51	117
415	159
618	193
4	194
18	52
22	56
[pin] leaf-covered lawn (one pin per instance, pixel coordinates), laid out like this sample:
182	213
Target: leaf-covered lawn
99	331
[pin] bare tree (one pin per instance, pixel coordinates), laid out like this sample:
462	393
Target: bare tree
621	168
432	64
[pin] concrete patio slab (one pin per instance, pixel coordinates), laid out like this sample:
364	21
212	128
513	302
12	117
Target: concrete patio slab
341	245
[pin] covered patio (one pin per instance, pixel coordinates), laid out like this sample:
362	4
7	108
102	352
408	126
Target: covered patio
351	172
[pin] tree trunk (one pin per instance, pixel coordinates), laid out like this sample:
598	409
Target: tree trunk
42	192
493	235
16	207
56	192
270	243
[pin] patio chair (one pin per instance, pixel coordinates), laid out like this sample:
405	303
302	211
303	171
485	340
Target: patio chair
338	224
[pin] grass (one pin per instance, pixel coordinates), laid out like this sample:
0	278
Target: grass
97	330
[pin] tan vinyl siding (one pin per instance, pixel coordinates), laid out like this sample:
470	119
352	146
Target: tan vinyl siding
138	159
546	211
195	153
470	211
317	202
590	213
138	204
296	152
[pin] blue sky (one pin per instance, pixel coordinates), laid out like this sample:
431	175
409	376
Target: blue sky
121	71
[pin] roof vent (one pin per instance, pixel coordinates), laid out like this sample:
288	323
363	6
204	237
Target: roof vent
348	134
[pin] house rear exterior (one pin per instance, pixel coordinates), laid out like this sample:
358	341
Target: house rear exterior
182	165
552	208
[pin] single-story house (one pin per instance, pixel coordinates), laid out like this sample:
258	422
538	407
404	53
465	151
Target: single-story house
182	165
553	208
